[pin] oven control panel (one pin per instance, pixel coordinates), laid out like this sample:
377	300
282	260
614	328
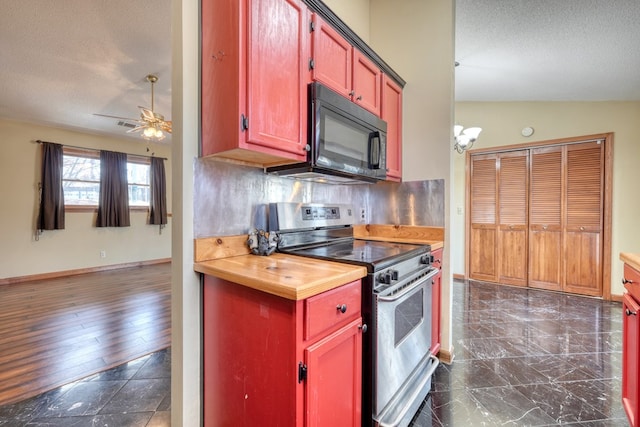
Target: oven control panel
303	216
311	213
402	273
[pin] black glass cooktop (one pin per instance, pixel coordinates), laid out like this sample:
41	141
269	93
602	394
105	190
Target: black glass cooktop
372	254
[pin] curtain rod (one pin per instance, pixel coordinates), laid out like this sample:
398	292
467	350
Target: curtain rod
39	141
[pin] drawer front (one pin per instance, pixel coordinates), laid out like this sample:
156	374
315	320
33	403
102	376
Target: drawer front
437	258
631	281
332	309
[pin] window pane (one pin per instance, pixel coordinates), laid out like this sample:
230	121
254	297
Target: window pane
138	173
81	168
81	180
138	195
138	178
81	193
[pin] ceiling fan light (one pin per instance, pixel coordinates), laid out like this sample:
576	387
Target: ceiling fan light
457	129
159	134
149	132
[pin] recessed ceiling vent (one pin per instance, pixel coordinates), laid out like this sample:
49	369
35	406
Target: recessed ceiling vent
126	124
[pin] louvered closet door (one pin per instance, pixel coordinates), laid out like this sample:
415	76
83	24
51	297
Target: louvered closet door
482	234
513	173
545	218
583	229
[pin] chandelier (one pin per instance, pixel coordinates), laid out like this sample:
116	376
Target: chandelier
464	138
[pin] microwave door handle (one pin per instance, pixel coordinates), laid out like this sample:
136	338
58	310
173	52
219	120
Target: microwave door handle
374	150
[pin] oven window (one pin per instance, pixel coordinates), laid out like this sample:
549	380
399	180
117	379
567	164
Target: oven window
408	315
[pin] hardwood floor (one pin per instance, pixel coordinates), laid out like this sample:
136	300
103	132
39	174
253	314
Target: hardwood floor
56	331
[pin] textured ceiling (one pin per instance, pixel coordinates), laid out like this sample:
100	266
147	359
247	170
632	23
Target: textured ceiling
547	50
62	61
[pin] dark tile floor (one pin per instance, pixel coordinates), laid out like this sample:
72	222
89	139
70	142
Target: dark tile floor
523	358
137	393
528	358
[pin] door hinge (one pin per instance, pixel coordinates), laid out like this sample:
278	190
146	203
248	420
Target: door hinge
312	64
312	26
244	122
302	372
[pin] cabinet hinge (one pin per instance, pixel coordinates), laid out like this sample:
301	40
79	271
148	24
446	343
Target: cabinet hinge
302	372
244	122
312	26
311	63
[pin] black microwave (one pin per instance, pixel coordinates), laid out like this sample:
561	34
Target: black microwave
346	142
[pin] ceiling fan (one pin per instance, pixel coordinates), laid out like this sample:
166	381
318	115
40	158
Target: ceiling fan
152	124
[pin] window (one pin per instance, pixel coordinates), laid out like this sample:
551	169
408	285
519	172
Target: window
81	178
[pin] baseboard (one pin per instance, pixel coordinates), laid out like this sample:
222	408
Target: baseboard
616	298
56	274
459	277
446	356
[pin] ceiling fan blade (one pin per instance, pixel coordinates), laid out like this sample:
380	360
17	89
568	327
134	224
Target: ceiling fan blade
165	126
137	128
118	117
147	114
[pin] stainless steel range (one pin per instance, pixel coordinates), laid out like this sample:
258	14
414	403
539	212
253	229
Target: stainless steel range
396	304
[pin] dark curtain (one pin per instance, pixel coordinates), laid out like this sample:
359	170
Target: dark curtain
158	210
113	207
51	215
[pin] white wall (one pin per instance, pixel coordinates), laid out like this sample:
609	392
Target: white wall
502	122
78	246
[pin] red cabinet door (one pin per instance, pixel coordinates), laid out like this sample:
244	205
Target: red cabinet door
334	390
277	75
630	359
436	304
332	56
367	83
391	112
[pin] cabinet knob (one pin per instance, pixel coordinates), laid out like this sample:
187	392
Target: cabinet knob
359	98
581	228
363	328
352	93
342	308
629	312
544	227
625	281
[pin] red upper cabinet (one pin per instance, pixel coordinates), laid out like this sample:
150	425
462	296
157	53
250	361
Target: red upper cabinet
367	79
332	56
254	80
337	64
391	113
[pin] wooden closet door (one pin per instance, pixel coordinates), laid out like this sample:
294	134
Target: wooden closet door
513	173
483	228
545	218
583	225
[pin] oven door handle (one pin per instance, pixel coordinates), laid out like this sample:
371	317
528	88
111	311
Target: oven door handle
408	289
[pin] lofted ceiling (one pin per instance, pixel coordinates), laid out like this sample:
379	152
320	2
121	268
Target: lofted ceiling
547	50
61	62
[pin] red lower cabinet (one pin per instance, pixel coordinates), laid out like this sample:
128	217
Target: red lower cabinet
272	361
436	304
631	346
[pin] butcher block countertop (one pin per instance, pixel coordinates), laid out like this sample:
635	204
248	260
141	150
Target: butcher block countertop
295	277
632	259
289	276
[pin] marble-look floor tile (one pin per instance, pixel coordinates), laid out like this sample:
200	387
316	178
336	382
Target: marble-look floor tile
138	396
526	357
84	398
139	419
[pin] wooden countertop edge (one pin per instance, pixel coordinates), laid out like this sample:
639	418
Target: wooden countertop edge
301	287
632	259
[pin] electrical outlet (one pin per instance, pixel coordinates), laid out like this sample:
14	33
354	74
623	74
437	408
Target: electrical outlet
103	254
363	214
459	210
